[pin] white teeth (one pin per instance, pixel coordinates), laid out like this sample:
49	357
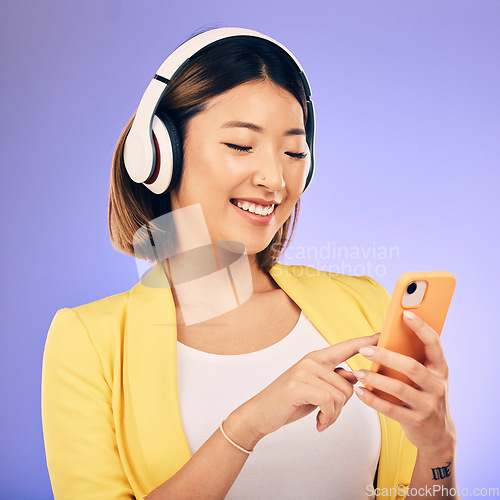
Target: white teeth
259	210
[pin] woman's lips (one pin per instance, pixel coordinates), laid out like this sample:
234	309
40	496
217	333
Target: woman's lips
259	220
254	206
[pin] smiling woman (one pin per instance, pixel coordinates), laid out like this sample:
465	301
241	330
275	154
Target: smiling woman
141	401
245	161
211	79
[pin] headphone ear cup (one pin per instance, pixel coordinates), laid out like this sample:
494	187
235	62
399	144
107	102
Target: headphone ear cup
168	163
176	147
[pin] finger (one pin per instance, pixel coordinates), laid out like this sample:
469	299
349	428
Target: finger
333	355
349	376
406	365
338	381
407	394
394	411
429	337
314	370
329	399
322	422
338	389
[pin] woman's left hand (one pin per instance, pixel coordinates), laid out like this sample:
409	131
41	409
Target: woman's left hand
425	415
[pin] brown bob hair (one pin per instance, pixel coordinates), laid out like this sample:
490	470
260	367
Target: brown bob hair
214	70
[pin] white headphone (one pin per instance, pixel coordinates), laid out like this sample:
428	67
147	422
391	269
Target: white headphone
152	151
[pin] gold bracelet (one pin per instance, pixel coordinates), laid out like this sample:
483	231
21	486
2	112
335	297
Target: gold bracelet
231	441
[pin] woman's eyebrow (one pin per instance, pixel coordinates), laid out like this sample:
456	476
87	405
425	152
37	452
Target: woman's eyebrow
257	128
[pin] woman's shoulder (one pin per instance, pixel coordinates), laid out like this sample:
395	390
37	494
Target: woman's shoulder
334	295
105	308
340	306
98	322
104	322
310	277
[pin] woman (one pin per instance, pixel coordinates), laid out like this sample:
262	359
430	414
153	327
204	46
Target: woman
165	390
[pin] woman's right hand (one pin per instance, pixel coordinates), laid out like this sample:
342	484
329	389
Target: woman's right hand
311	382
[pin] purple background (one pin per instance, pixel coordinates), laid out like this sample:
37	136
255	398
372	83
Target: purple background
407	152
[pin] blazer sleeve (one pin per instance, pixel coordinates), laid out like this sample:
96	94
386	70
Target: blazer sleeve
77	417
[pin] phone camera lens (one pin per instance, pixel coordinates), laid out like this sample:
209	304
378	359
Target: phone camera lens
411	287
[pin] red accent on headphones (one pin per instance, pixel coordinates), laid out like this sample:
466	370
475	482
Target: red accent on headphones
157	163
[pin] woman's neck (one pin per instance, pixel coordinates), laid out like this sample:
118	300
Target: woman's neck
214	279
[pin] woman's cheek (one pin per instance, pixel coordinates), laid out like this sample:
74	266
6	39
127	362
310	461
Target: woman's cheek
296	182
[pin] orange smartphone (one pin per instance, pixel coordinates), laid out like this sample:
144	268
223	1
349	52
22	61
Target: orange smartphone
428	294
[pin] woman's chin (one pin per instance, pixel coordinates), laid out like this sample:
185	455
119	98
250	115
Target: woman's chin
237	238
240	246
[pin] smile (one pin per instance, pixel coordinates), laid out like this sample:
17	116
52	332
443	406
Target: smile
254	208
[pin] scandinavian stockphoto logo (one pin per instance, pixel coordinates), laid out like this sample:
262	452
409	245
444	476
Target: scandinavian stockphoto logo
209	279
353	260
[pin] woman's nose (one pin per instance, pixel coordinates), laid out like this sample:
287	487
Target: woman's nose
269	174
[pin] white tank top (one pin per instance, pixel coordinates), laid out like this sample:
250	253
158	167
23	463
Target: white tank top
296	461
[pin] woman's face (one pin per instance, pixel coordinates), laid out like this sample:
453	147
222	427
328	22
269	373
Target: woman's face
247	148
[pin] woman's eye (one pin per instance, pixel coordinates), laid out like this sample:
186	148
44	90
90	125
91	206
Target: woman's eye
247	149
237	148
300	156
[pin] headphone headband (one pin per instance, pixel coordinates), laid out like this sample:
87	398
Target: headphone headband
189	48
139	153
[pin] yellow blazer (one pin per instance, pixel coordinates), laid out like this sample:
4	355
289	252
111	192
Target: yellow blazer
110	410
